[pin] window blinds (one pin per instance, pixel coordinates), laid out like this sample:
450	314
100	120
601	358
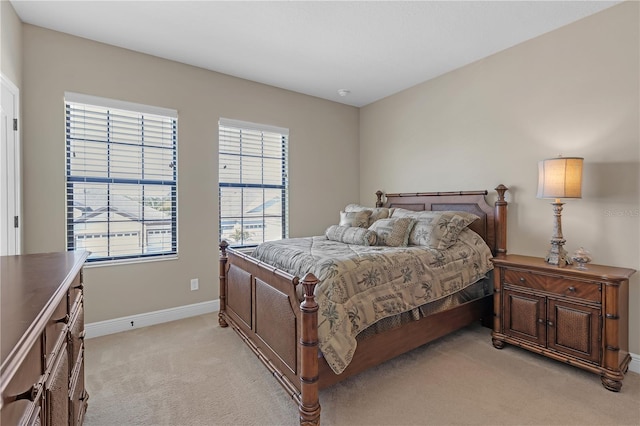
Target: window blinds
253	182
121	178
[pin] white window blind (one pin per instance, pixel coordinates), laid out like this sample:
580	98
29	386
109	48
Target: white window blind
252	183
121	178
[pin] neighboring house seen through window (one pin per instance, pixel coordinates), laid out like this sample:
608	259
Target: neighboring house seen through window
252	183
121	177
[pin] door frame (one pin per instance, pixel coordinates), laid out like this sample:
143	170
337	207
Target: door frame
10	181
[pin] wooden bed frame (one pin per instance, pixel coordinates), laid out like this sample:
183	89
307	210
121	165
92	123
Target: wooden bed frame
261	303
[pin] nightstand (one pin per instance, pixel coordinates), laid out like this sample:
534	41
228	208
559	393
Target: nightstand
579	317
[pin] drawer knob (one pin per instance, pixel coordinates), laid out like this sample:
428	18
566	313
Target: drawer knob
540	320
64	319
572	289
550	323
522	279
29	394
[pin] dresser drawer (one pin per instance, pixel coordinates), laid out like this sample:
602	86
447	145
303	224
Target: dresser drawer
78	394
75	291
57	390
55	332
557	285
22	394
76	330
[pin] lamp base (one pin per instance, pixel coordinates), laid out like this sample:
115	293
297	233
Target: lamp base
557	254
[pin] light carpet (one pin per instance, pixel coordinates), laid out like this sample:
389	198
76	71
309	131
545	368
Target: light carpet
192	372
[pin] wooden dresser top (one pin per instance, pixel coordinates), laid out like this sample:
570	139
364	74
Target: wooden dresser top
31	286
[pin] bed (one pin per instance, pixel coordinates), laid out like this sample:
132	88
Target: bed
283	316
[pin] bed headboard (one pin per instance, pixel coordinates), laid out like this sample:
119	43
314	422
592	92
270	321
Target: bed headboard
492	225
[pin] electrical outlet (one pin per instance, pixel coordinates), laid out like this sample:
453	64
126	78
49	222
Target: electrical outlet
194	284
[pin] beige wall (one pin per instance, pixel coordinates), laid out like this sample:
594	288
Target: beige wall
574	91
321	132
10	43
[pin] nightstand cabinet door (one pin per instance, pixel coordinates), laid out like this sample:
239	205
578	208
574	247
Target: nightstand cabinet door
525	316
574	329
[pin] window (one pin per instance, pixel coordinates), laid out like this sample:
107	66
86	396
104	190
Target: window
252	183
121	177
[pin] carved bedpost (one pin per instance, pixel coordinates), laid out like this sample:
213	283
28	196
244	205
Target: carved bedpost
379	202
501	221
309	407
500	249
223	283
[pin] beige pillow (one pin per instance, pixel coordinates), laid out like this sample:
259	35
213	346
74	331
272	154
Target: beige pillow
359	219
351	235
436	229
376	213
393	232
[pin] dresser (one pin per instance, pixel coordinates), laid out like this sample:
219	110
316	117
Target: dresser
42	339
579	317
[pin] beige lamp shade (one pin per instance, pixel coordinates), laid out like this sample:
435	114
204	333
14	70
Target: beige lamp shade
560	178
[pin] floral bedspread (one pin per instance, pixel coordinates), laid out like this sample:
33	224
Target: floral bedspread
360	285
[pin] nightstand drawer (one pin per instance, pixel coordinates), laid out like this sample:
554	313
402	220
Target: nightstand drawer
556	285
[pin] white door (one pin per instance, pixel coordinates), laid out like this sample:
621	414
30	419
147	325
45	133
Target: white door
9	170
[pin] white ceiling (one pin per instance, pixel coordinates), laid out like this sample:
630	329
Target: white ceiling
373	49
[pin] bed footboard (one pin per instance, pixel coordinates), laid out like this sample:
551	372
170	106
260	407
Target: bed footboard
261	304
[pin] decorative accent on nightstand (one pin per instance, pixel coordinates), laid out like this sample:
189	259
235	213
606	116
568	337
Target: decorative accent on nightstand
581	257
578	317
559	178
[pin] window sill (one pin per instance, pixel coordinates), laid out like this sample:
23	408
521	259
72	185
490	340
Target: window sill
91	265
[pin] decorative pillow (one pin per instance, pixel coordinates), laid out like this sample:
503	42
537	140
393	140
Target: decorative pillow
400	212
393	232
376	213
359	219
351	235
436	229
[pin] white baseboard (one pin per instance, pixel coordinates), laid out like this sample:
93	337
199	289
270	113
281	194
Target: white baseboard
635	363
116	325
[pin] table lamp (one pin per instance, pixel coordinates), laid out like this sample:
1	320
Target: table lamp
559	178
